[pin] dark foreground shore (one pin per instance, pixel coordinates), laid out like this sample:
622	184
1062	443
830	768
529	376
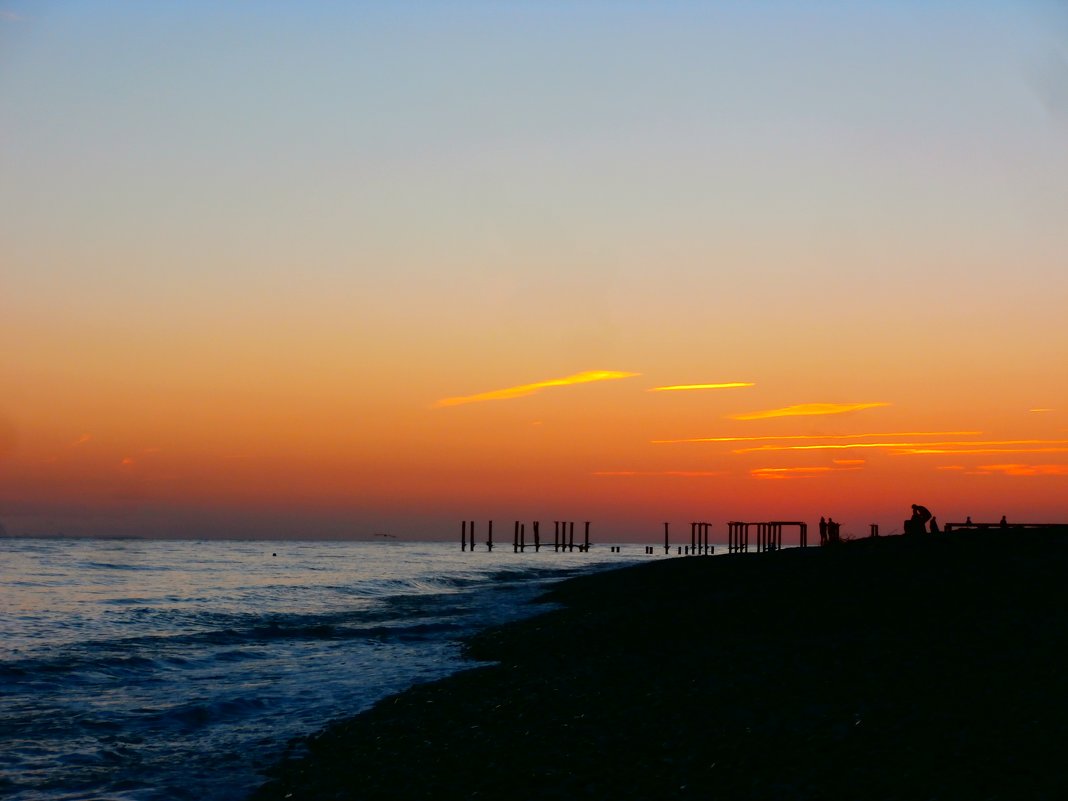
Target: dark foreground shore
884	669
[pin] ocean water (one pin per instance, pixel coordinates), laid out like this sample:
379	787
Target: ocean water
144	670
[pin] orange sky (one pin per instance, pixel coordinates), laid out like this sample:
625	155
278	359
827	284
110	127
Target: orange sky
653	264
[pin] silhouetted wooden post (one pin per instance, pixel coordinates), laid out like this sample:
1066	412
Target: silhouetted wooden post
693	538
586	538
489	539
556	536
515	538
667	547
537	536
571	537
463	535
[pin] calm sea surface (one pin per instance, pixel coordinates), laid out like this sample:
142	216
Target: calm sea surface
138	669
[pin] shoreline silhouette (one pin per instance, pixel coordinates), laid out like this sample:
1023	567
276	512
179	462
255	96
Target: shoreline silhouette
889	667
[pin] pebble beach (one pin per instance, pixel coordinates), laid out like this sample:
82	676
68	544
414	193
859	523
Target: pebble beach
886	668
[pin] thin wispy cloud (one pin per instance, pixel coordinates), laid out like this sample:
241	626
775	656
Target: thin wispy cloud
937	451
84	438
688	387
523	390
789	472
11	16
917	448
1040	411
1026	470
677	473
789	437
806	472
808	410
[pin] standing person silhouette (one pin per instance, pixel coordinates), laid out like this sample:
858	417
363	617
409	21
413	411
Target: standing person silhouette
823	531
832	530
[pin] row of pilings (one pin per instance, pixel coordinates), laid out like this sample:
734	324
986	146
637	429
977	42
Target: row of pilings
768	535
563	536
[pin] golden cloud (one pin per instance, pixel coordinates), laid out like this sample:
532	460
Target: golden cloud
677	473
1026	469
684	387
789	472
529	389
920	448
807	410
822	436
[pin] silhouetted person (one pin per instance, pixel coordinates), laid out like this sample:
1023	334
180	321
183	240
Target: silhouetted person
1004	523
968	520
832	531
934	525
823	531
917	524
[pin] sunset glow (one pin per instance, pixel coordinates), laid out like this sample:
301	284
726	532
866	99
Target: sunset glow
365	268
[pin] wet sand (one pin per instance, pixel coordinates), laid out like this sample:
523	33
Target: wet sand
885	669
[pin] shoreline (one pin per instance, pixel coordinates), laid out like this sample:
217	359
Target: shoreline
880	668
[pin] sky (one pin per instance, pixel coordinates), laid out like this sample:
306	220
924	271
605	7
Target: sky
344	269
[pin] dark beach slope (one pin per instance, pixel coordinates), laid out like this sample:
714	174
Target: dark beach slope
890	668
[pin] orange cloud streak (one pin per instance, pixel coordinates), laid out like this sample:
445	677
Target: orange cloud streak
808	409
922	447
682	473
682	387
1027	469
822	436
789	472
529	389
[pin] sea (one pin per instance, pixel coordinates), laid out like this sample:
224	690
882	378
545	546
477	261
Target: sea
149	670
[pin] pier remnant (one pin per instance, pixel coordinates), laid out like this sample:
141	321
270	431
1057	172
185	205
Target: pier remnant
768	535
